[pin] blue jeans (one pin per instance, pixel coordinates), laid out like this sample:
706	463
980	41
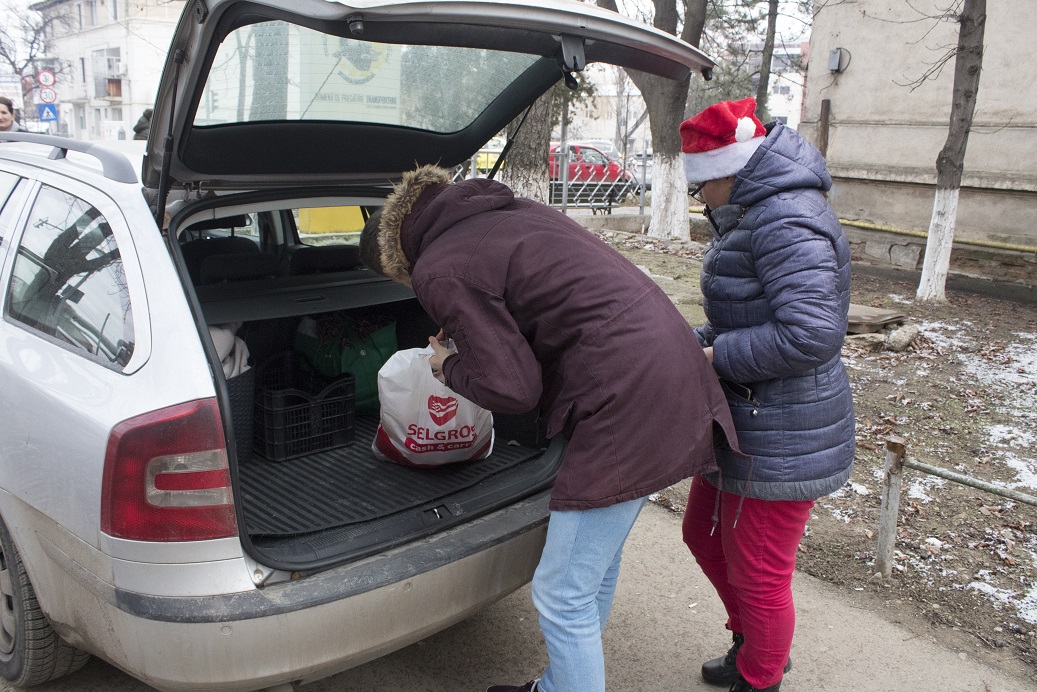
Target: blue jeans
572	589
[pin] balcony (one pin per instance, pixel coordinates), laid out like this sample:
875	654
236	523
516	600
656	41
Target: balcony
109	88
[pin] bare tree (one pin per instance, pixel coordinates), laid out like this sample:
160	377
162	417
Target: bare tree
525	163
763	85
666	101
24	44
968	64
526	171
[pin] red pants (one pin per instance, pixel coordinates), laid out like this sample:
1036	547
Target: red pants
750	565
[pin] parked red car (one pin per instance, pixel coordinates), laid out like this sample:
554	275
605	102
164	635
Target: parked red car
587	164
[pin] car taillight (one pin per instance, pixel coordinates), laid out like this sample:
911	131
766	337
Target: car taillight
166	476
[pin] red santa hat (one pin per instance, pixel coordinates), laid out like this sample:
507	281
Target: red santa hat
720	140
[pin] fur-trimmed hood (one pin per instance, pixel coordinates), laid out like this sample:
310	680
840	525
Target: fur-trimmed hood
393	259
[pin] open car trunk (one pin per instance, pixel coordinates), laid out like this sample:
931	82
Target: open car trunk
342	503
309	491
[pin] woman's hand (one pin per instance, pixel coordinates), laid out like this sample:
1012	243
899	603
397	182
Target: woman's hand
708	350
435	361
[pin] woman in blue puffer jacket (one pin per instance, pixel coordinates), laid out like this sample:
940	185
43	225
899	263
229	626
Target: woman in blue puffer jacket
776	283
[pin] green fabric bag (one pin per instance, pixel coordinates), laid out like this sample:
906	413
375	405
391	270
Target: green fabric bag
338	343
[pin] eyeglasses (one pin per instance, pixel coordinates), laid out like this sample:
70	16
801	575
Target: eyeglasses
696	194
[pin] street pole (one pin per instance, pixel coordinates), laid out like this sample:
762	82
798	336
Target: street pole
563	157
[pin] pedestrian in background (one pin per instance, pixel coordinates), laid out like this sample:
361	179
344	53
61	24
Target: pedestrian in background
143	126
776	287
7	121
547	316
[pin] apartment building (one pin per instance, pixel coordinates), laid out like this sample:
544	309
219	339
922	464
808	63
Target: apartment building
107	56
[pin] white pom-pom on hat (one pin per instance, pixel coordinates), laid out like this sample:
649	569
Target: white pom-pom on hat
745	130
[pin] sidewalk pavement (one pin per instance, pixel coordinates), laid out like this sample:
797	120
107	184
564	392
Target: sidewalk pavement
666	620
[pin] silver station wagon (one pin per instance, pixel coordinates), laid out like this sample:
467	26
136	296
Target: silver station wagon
189	342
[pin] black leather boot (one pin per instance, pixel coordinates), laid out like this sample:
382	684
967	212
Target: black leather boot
722	671
530	686
740	685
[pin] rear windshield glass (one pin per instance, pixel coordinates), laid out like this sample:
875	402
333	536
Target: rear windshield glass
279	71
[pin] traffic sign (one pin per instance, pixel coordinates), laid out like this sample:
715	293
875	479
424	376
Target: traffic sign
48	112
46	78
48	95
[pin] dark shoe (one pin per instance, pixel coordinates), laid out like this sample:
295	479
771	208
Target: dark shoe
530	686
740	685
722	671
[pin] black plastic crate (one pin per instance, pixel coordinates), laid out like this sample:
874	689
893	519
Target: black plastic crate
292	419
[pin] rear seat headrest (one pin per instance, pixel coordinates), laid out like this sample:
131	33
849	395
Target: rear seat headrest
196	251
237	221
317	259
237	267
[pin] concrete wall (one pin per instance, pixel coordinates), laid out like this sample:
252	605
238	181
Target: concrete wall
868	246
884	135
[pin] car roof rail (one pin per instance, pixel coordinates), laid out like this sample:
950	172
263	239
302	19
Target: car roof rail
114	165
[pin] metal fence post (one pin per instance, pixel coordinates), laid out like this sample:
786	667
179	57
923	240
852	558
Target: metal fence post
896	453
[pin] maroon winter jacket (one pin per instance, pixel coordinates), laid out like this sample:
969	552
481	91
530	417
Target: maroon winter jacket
545	315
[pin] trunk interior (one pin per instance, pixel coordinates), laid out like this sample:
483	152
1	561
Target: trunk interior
327	505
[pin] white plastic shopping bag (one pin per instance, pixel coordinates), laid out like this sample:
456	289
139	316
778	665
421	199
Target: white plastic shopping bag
423	422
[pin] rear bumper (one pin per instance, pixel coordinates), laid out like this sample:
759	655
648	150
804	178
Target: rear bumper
324	623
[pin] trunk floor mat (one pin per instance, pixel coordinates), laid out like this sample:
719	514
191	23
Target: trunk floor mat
349	485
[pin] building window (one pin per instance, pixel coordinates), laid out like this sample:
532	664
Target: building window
91	12
82	70
107	70
79	16
68	282
117	114
114	4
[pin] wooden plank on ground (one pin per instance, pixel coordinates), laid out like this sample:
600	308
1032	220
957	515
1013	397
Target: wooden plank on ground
865	319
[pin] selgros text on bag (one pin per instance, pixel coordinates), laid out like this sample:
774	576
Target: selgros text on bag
423	422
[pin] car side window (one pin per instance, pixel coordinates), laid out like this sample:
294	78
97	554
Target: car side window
68	281
329	225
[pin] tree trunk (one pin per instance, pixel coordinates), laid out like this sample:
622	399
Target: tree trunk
968	64
763	86
666	101
270	72
525	167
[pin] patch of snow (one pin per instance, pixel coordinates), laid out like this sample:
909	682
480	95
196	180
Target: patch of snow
1025	470
1024	604
918	490
1016	378
1000	597
859	489
1008	435
842	514
935	332
1027	606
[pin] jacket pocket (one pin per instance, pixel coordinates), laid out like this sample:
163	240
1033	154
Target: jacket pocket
744	394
